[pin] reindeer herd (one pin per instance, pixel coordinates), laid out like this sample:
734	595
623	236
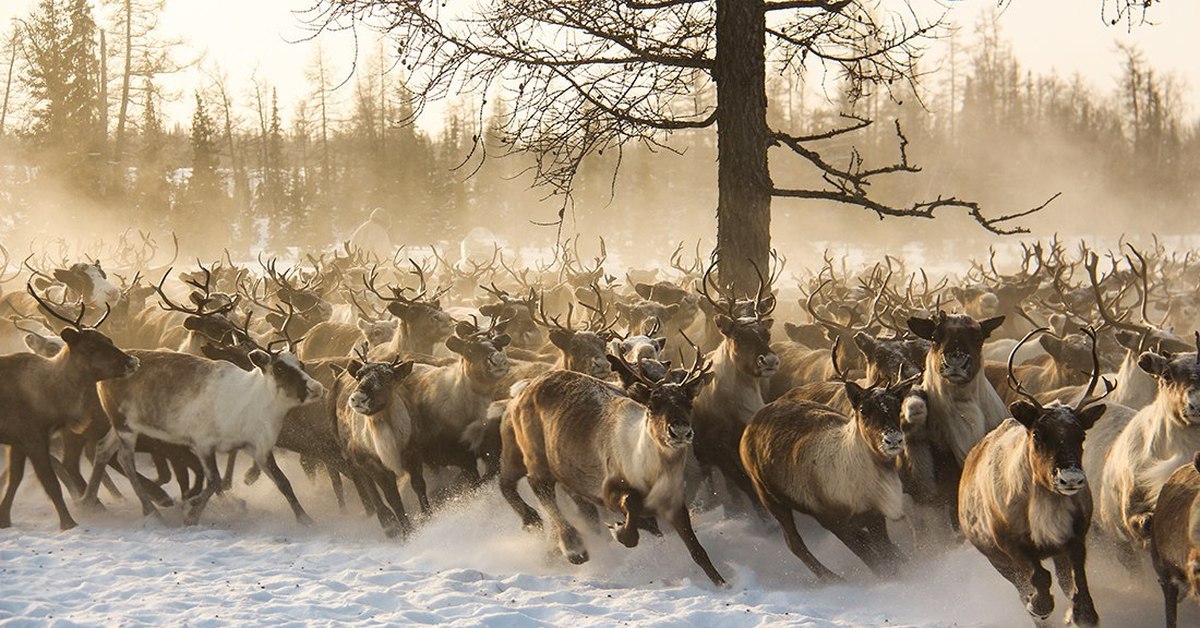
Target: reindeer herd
960	404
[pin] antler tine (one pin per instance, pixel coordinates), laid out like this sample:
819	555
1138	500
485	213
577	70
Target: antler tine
812	311
547	321
283	330
361	310
1091	263
1087	398
758	296
1197	333
53	312
420	275
35	271
361	350
700	365
833	357
1012	378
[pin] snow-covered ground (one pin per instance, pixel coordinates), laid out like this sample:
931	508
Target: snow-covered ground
471	564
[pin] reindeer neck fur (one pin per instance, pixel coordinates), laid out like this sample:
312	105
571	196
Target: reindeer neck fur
404	342
447	399
731	392
1135	387
637	457
64	386
960	415
855	477
1168	435
1012	503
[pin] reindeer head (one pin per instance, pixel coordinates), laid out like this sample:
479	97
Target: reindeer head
86	346
744	323
956	351
1056	431
668	400
892	359
90	282
583	350
1178	378
374	382
378	332
285	371
518	312
482	351
877	415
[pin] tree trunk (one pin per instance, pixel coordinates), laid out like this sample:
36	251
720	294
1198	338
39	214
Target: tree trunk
743	181
123	111
12	63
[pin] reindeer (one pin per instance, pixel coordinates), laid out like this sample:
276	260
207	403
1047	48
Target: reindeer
1175	537
423	326
375	433
839	468
623	449
962	406
1023	496
1159	438
40	395
210	407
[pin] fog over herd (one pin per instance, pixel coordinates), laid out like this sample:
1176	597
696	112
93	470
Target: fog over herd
687	312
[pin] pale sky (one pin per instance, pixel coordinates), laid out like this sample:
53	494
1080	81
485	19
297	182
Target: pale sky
252	36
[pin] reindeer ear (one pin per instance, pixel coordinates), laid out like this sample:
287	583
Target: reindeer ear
698	384
793	332
767	322
337	369
1089	415
855	394
363	324
403	369
725	324
196	298
260	358
990	325
354	367
1149	361
922	327
1025	413
192	323
493	310
501	341
627	376
865	343
41	283
398	309
671	311
457	345
70	335
660	343
644	290
1053	346
561	338
464	329
1128	339
639	392
38	345
436	303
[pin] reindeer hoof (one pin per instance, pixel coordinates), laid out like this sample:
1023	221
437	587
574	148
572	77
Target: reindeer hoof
5	523
91	505
304	520
830	578
66	524
1040	606
577	557
1079	615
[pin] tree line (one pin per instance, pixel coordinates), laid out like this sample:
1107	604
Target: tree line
89	78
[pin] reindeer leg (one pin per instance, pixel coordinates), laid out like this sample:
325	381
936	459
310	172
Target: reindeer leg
371	500
681	520
360	487
387	484
414	465
619	496
512	469
569	540
787	522
1041	603
587	510
1170	600
16	471
226	481
1083	610
162	469
103	456
285	487
39	456
335	483
212	482
73	481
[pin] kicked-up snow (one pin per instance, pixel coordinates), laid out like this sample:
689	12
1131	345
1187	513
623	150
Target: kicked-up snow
471	564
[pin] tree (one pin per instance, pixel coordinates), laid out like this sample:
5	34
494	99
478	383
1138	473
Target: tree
585	77
204	184
63	79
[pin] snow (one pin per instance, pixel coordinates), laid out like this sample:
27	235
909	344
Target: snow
471	564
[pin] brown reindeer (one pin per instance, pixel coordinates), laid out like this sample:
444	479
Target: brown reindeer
624	449
841	469
40	395
1024	498
1175	537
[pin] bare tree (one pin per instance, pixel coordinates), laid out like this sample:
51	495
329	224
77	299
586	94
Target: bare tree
585	77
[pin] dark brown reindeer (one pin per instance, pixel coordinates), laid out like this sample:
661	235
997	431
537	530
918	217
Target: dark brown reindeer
853	489
962	405
623	449
1024	498
41	395
1175	537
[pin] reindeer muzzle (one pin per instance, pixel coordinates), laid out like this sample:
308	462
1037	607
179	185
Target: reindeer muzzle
767	364
131	366
681	435
956	368
1069	481
893	443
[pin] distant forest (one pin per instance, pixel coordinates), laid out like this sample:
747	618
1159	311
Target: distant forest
81	130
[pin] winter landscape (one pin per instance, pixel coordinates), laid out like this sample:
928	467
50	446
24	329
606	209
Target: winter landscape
628	312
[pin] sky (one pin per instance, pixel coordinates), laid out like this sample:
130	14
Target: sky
261	38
